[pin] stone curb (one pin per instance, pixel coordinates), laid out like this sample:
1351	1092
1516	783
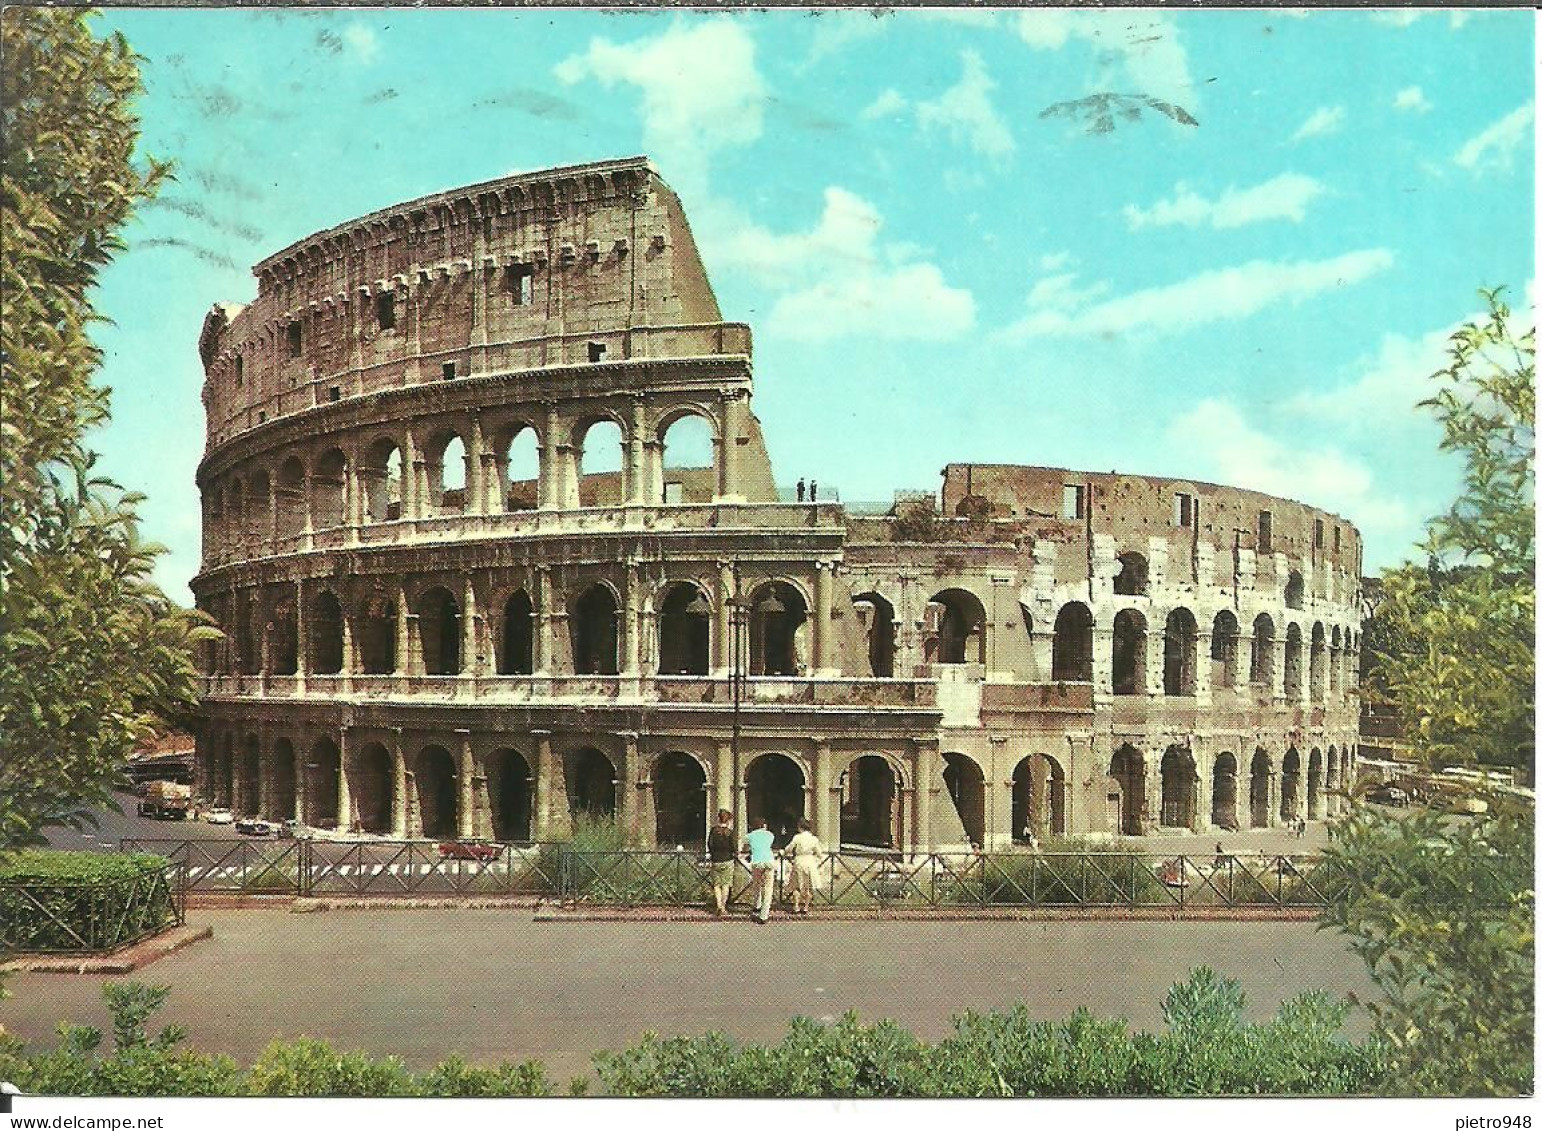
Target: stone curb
397	903
124	961
965	915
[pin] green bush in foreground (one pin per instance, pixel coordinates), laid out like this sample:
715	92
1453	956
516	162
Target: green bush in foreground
1206	1049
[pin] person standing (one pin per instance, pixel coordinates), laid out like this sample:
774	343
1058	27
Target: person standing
720	860
802	490
757	845
805	851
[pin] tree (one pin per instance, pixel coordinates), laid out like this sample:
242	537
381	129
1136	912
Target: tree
1442	908
1452	645
92	655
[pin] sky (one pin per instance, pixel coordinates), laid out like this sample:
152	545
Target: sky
1220	245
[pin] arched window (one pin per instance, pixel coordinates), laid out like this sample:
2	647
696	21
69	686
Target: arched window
1133	573
520	470
1293	662
690	473
377	634
1180	782
598	456
1180	645
517	654
439	632
1128	771
685	631
876	616
447	474
283	638
592	622
329	491
324	650
291	503
778	628
1261	662
1224	634
382	477
960	627
1072	654
1295	590
1129	653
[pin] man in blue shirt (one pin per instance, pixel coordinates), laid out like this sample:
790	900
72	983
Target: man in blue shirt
762	865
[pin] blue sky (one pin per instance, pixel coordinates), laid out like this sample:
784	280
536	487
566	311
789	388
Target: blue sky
935	269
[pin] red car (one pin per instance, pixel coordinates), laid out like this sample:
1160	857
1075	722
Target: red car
469	850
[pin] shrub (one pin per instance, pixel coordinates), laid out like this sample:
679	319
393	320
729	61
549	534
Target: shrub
454	1078
309	1067
81	901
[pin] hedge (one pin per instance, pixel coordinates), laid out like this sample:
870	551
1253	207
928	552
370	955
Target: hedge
85	902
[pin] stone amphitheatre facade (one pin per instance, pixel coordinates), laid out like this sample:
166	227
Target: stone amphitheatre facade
441	621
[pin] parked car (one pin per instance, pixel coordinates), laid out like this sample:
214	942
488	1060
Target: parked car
1388	795
289	828
256	826
219	817
469	850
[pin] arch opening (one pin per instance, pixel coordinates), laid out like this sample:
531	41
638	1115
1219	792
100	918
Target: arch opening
1290	785
289	498
382	476
778	630
1223	792
1261	770
516	656
1180	788
876	616
688	461
281	793
520	471
869	813
1129	647
509	795
599	456
329	491
438	803
685	631
248	799
1133	576
374	787
966	786
1314	785
1293	662
324	650
960	627
1261	660
591	782
1071	659
774	790
1128	770
1224	634
377	635
439	632
322	770
679	801
595	632
1180	646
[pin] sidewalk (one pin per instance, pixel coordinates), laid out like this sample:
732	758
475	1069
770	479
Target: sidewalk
123	961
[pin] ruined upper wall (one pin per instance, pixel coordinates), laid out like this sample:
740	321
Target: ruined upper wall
561	267
1131	510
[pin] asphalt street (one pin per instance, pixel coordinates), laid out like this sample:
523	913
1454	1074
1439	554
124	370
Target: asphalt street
495	984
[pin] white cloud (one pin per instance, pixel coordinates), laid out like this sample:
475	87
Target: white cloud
1055	261
965	111
1411	98
1060	292
1389	385
362	42
1496	146
701	91
1139	51
839	278
910	302
1324	120
1212	296
1227	449
1284	198
886	104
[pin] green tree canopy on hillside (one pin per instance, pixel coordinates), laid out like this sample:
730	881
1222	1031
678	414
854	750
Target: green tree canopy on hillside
92	654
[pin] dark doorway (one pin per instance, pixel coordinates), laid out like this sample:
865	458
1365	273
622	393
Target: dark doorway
282	796
439	626
1290	785
591	784
869	813
778	616
321	781
1072	655
966	786
509	794
326	634
517	656
1180	783
1129	653
1129	770
685	631
374	788
1223	793
378	634
1258	790
437	808
594	631
679	801
876	615
774	790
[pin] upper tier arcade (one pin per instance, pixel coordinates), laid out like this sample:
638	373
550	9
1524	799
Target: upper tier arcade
565	267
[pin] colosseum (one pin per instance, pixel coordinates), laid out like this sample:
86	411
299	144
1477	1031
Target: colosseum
471	589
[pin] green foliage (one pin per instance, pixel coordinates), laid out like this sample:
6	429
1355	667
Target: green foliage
81	901
918	521
1452	644
308	1067
92	655
1071	872
1442	910
454	1078
1208	1049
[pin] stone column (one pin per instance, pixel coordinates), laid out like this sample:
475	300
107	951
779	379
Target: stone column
398	787
553	822
730	426
344	796
633	493
626	789
473	659
1156	667
1202	662
307	517
925	781
302	651
545	645
827	801
409	485
301	782
404	634
353	497
476	447
466	804
1103	657
824	631
723	623
1204	768
631	660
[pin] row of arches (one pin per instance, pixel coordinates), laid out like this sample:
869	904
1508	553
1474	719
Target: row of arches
1132	579
1329	662
382	633
455	470
1267	799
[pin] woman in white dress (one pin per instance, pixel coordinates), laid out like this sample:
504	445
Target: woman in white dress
806	853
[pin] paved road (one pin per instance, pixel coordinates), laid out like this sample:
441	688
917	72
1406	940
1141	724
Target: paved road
112	827
497	985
